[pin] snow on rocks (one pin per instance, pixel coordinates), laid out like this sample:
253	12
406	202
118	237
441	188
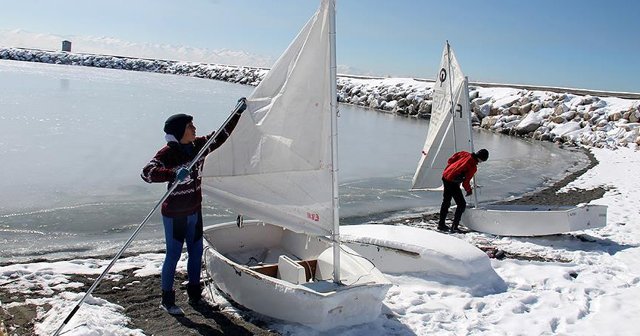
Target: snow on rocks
567	118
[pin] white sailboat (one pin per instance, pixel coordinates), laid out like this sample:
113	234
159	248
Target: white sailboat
450	131
279	166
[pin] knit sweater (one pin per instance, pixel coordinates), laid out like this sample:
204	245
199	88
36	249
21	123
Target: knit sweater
186	198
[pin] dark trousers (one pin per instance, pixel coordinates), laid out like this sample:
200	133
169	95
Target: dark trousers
452	190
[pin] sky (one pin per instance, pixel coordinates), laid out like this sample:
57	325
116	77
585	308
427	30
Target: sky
595	292
571	43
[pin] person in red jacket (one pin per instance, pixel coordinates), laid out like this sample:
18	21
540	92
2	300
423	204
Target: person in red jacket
181	211
461	167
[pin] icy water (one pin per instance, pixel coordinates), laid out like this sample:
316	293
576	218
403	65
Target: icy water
74	139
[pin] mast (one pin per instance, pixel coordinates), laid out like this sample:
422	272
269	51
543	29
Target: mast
451	111
466	101
333	98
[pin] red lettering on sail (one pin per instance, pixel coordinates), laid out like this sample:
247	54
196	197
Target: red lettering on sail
313	216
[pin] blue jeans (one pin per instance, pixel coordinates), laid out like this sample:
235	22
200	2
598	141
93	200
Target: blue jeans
176	231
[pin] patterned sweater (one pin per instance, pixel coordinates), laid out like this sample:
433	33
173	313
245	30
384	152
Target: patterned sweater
186	199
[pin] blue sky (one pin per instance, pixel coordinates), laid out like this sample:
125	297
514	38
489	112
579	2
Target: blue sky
582	44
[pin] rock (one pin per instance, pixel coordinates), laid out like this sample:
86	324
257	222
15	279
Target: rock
560	109
535	107
569	115
489	121
506	102
634	117
425	107
545	137
615	116
413	109
565	128
484	110
524	109
529	124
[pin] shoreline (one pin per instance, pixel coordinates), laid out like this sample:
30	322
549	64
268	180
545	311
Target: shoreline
562	115
140	296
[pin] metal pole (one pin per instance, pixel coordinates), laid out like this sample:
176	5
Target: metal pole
466	101
241	104
451	111
333	98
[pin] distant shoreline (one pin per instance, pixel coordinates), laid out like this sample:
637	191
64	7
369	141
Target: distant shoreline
573	117
576	91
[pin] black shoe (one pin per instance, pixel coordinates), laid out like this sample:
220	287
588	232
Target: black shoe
443	227
195	294
169	303
454	229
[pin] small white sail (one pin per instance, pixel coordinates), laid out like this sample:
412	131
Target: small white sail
449	126
276	165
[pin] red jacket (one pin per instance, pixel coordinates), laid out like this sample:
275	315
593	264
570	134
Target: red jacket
461	167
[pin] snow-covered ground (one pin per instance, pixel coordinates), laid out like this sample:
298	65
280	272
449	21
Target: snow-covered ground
597	292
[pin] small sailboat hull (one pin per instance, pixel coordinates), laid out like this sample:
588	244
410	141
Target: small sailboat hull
534	220
399	249
245	265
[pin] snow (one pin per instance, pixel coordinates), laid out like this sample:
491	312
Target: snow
597	292
96	316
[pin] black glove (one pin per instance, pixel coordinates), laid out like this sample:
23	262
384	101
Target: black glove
469	192
243	105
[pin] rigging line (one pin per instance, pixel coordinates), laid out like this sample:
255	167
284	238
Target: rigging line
358	255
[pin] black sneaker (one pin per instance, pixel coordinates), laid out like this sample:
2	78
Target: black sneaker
455	229
443	227
169	303
173	310
194	291
196	301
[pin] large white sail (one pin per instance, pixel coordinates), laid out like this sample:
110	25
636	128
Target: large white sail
277	164
449	126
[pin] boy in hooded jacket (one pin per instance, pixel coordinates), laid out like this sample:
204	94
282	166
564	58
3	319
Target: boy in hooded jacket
461	167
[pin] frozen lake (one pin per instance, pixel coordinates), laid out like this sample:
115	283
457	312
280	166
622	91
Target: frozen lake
74	139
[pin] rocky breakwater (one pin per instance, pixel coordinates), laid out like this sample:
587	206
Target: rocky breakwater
560	117
567	116
228	73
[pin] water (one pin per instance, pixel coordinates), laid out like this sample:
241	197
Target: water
74	139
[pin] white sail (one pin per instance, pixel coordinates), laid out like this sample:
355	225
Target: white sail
277	164
449	126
